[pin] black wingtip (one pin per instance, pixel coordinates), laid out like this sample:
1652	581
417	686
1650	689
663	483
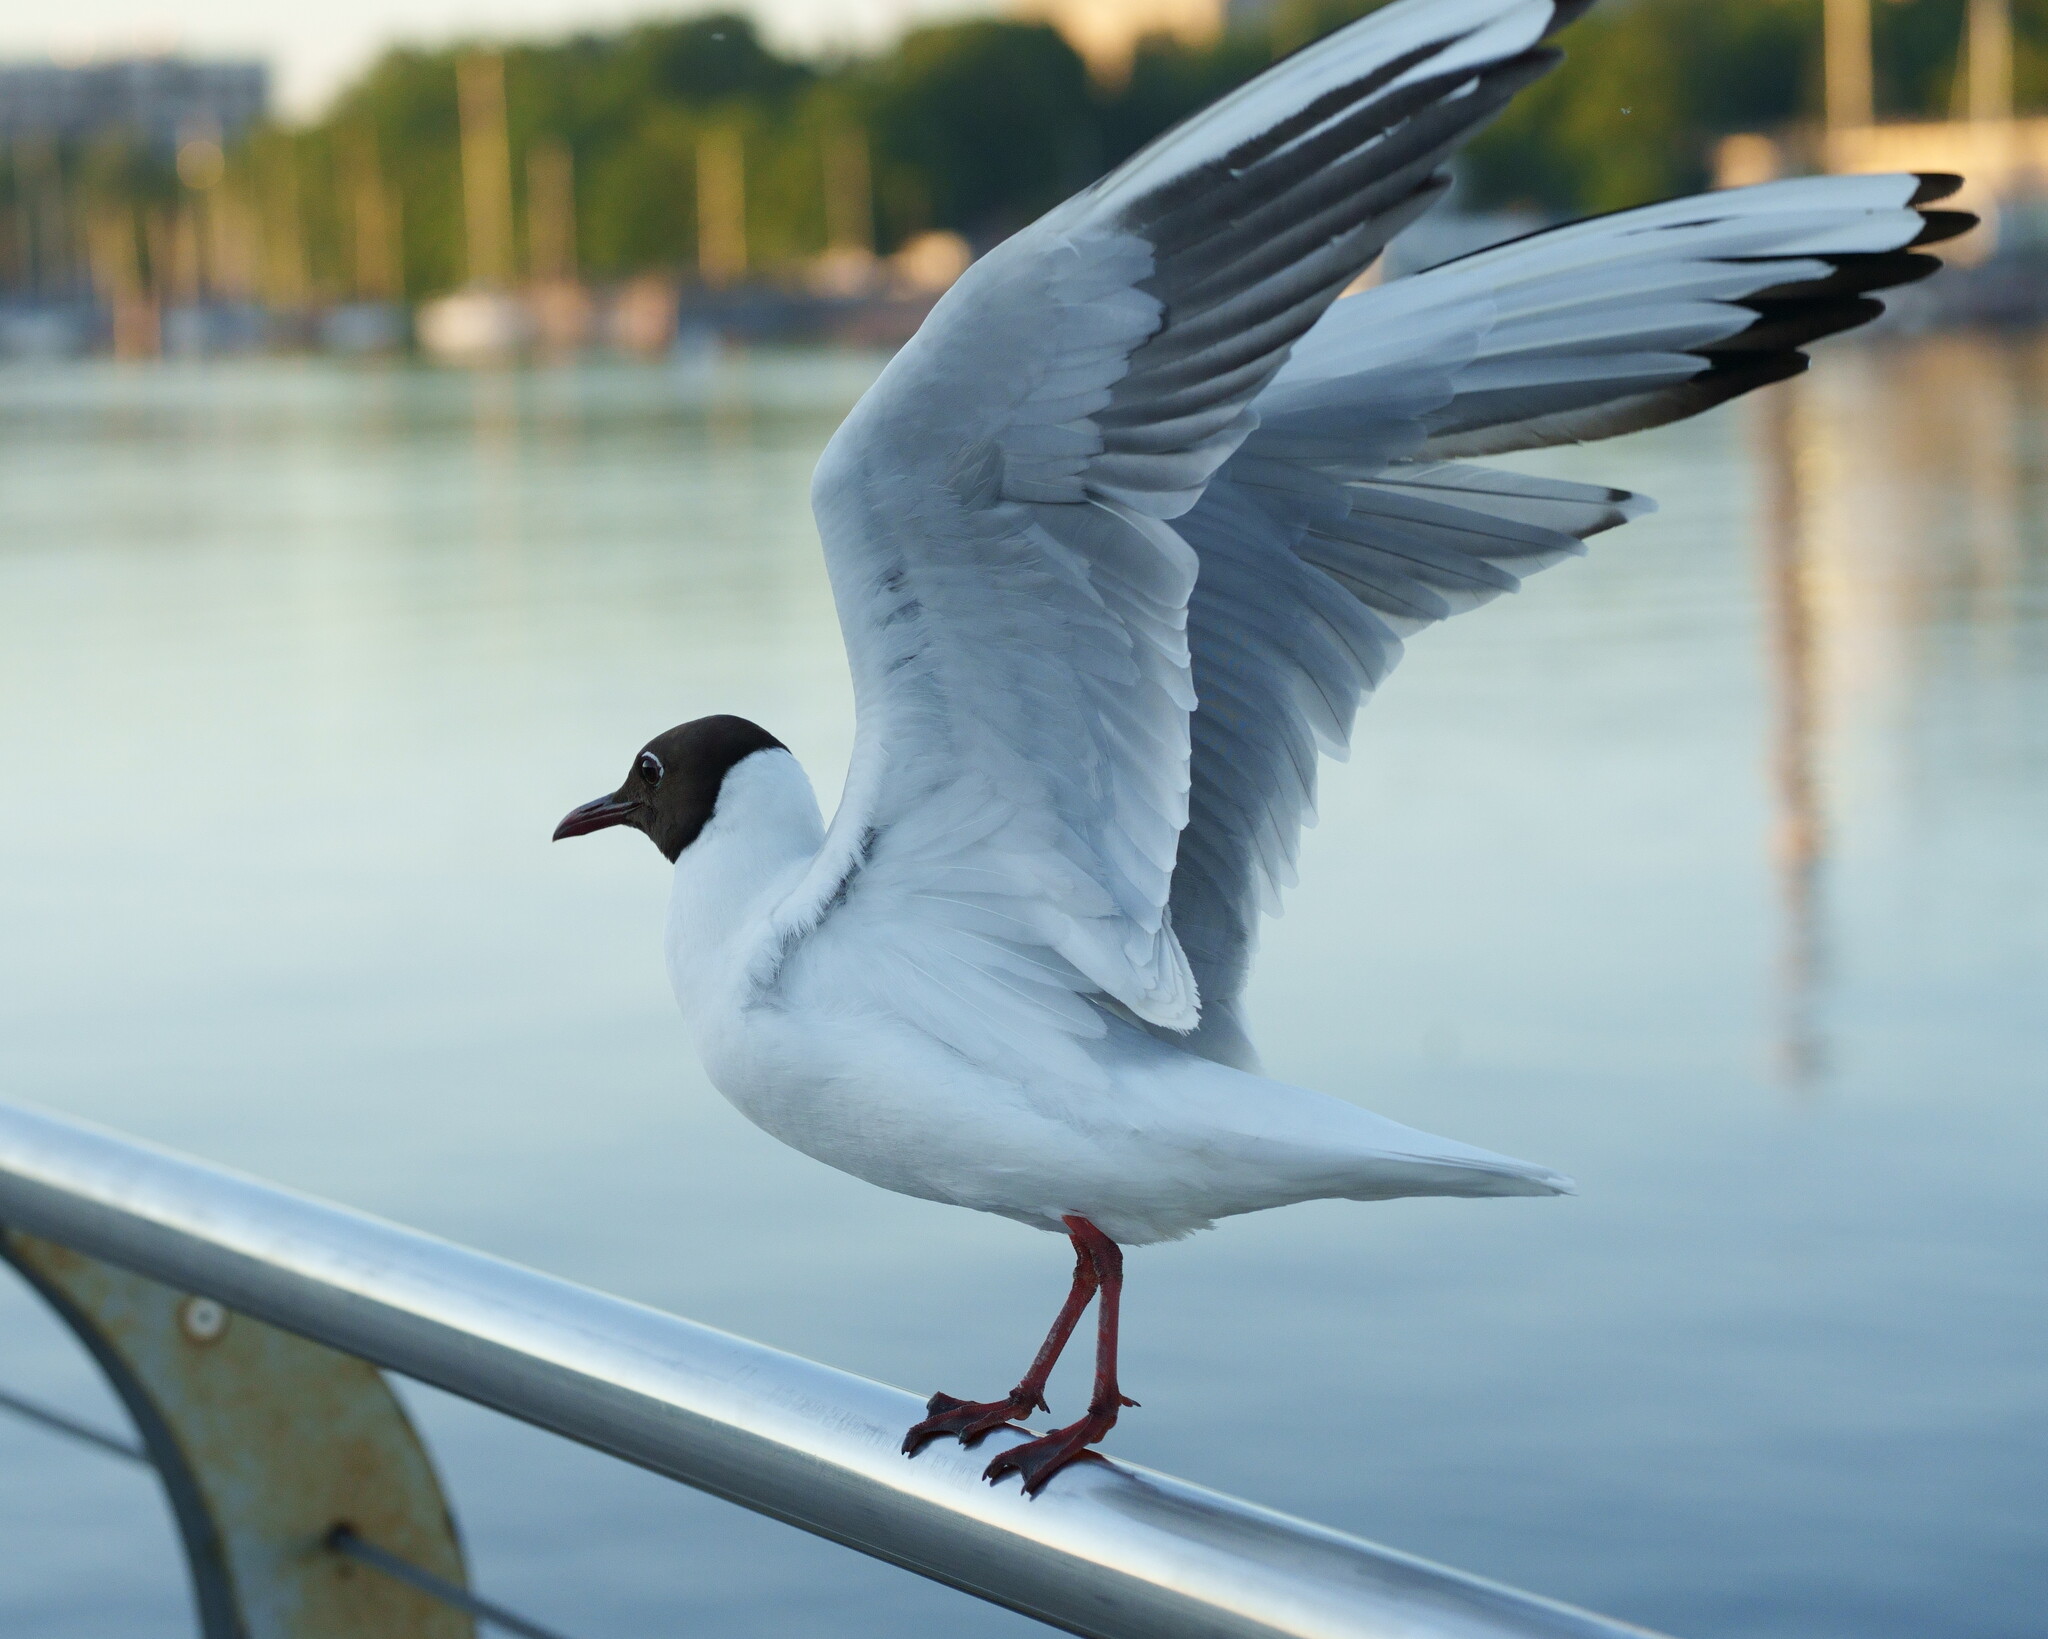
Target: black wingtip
1940	225
1730	377
1794	324
1910	270
1851	274
1934	185
1564	12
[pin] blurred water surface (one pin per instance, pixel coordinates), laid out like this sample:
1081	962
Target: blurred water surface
1710	870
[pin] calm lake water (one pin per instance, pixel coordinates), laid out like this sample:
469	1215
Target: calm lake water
1710	870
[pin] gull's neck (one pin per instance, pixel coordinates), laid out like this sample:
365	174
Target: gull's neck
760	839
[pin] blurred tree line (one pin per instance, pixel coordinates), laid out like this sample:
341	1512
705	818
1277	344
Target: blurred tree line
973	127
1648	88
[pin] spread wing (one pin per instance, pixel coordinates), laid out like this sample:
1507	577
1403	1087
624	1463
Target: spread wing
1344	523
998	514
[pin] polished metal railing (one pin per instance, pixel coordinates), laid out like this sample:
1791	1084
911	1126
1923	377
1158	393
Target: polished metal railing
1108	1549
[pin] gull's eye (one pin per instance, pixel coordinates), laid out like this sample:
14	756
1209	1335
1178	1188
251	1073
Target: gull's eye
649	768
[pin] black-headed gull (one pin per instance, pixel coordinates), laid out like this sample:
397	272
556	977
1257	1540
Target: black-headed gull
1119	541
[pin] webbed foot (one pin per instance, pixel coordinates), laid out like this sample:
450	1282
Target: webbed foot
968	1421
1040	1459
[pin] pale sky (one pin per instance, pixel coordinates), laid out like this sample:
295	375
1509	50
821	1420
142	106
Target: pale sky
313	46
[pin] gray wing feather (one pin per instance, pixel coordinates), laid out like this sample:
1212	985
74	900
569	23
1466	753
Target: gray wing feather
996	516
1339	528
1308	586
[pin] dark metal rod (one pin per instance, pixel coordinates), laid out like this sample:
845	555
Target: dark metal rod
84	1433
345	1542
340	1540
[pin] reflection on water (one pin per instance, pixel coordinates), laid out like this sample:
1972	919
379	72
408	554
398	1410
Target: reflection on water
1926	485
1799	828
1894	504
298	666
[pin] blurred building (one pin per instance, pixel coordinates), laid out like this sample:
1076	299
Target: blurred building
2002	159
163	100
1106	32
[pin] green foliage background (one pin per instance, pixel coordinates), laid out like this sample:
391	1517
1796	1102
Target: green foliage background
977	126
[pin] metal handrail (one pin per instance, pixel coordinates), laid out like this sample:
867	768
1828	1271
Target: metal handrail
1108	1550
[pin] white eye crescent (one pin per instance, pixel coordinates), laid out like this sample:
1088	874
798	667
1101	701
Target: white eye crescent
650	768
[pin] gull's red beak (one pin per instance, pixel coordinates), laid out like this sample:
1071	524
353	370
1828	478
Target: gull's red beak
597	816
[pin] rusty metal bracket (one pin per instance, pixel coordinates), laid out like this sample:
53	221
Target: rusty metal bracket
267	1445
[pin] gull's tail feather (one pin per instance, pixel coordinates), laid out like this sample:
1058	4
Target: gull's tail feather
1388	1177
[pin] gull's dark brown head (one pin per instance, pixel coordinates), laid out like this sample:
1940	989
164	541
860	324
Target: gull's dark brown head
674	783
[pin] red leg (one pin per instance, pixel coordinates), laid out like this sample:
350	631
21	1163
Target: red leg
1040	1459
971	1420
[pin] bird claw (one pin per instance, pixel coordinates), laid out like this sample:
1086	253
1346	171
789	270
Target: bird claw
968	1421
1040	1459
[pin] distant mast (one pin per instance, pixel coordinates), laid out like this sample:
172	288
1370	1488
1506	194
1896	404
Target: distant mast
550	213
486	169
1986	80
1845	29
1990	60
721	207
849	191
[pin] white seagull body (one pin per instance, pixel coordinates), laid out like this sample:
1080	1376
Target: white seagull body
888	1068
1119	541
